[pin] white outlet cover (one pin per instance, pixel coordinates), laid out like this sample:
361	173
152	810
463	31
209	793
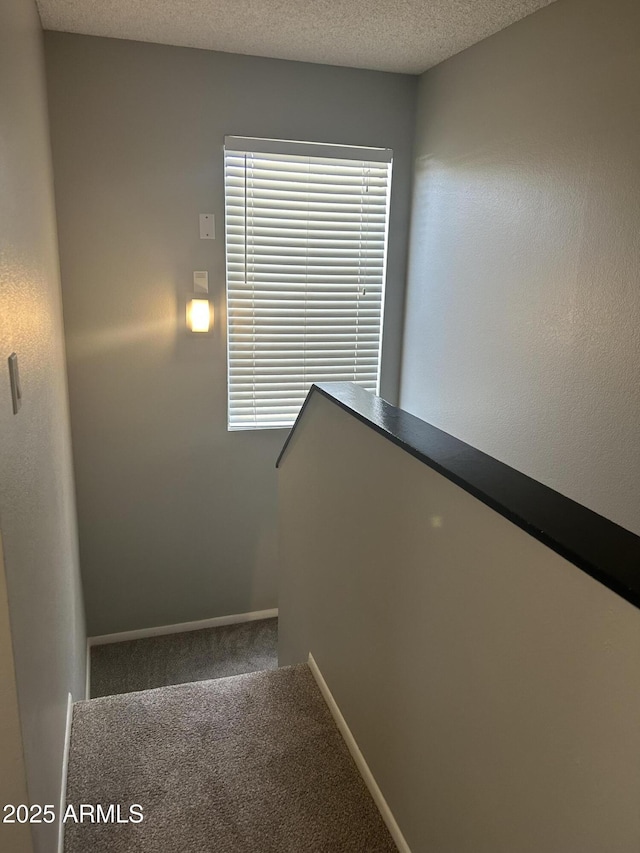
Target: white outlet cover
207	226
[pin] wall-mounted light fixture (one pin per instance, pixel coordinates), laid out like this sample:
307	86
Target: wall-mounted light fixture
199	309
198	315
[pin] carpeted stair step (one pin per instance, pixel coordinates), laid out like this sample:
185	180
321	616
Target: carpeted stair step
246	764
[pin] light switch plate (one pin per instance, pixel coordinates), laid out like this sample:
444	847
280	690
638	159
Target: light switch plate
207	226
14	378
201	282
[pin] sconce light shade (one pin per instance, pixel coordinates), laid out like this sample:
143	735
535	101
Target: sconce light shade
199	315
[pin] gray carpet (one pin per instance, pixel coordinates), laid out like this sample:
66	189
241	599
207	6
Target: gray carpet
180	658
248	764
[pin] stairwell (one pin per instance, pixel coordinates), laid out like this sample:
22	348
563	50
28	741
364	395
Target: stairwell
477	644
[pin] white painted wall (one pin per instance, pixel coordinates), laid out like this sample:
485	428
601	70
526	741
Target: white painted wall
491	685
522	328
37	508
177	516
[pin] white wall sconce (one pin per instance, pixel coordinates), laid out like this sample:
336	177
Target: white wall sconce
199	309
199	313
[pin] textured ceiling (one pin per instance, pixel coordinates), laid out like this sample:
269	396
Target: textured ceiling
389	35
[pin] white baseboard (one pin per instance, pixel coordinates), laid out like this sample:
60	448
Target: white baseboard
358	757
216	622
65	768
87	685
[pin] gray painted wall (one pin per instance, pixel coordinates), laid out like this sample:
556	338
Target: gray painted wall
14	838
523	306
491	685
37	515
177	517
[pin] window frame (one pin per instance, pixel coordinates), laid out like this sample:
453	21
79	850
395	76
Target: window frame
265	147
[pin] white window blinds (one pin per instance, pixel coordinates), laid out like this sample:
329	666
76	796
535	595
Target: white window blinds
306	233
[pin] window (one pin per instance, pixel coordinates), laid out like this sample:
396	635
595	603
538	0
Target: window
306	233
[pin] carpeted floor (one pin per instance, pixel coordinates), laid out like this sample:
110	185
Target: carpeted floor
180	658
248	764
